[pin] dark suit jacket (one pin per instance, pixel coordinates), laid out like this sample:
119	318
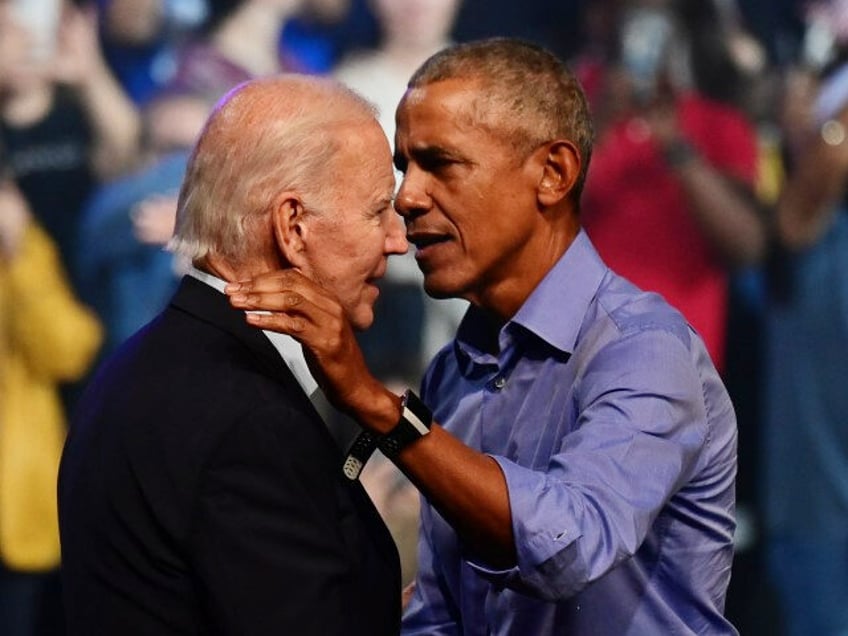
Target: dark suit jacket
200	493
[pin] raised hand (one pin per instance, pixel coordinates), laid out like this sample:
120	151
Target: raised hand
14	219
79	57
295	305
153	219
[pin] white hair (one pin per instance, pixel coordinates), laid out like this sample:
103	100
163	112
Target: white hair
264	137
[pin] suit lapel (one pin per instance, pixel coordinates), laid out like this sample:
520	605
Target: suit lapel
211	306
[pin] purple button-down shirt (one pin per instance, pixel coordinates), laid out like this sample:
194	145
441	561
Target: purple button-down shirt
617	440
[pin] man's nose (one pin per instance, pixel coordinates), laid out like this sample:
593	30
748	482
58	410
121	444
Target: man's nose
412	198
396	242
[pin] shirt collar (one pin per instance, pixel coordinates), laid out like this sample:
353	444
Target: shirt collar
290	350
554	310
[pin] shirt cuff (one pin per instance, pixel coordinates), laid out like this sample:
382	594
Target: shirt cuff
541	542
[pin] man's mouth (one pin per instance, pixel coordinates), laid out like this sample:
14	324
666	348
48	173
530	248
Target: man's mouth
377	274
424	240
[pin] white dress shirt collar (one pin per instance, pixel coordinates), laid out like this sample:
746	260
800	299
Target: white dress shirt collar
289	349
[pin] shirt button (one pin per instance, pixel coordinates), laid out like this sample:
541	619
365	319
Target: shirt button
500	383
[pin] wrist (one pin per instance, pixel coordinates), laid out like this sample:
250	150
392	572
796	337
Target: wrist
92	79
414	423
380	409
679	153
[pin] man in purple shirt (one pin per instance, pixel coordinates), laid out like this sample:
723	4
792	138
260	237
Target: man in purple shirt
580	478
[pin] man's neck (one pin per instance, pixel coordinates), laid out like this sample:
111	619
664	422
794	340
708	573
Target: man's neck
230	271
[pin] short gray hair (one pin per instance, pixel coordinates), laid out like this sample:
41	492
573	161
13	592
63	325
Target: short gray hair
265	136
528	96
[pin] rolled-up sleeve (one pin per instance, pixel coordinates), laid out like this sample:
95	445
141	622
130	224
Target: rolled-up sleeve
640	432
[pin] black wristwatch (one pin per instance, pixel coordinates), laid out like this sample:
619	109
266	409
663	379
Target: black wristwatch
415	422
358	454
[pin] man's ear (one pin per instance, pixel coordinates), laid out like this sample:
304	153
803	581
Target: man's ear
560	169
289	228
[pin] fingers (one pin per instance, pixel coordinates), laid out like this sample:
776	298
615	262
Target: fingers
278	280
312	318
282	290
290	303
274	291
304	322
279	322
281	300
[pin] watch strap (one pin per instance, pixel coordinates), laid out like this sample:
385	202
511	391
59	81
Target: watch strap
414	423
358	454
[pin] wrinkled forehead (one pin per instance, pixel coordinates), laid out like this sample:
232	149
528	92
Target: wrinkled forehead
453	112
366	153
453	95
442	105
366	140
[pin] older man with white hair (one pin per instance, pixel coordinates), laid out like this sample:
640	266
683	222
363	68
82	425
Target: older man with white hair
200	492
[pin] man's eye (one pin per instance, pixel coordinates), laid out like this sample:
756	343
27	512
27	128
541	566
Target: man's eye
436	164
382	211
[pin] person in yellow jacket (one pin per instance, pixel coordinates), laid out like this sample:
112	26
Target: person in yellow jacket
46	337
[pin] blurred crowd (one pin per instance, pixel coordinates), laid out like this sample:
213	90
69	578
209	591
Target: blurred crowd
719	179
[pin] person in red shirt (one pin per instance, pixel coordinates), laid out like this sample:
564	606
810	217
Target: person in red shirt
669	200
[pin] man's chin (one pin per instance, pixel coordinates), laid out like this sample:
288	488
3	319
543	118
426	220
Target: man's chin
361	319
439	289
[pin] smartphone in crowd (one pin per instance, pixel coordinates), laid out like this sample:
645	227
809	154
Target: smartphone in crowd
644	40
41	20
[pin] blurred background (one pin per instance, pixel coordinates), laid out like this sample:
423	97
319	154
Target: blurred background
101	101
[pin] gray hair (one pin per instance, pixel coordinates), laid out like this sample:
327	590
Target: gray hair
264	137
527	95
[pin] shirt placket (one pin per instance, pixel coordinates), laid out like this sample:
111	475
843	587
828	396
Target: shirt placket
495	409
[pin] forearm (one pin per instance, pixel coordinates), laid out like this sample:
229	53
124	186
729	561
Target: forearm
726	213
812	194
467	487
803	209
115	120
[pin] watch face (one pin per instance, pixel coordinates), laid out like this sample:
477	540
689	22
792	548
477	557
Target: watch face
419	409
415	421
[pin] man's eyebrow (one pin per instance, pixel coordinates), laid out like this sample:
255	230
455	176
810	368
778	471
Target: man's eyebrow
426	155
432	152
